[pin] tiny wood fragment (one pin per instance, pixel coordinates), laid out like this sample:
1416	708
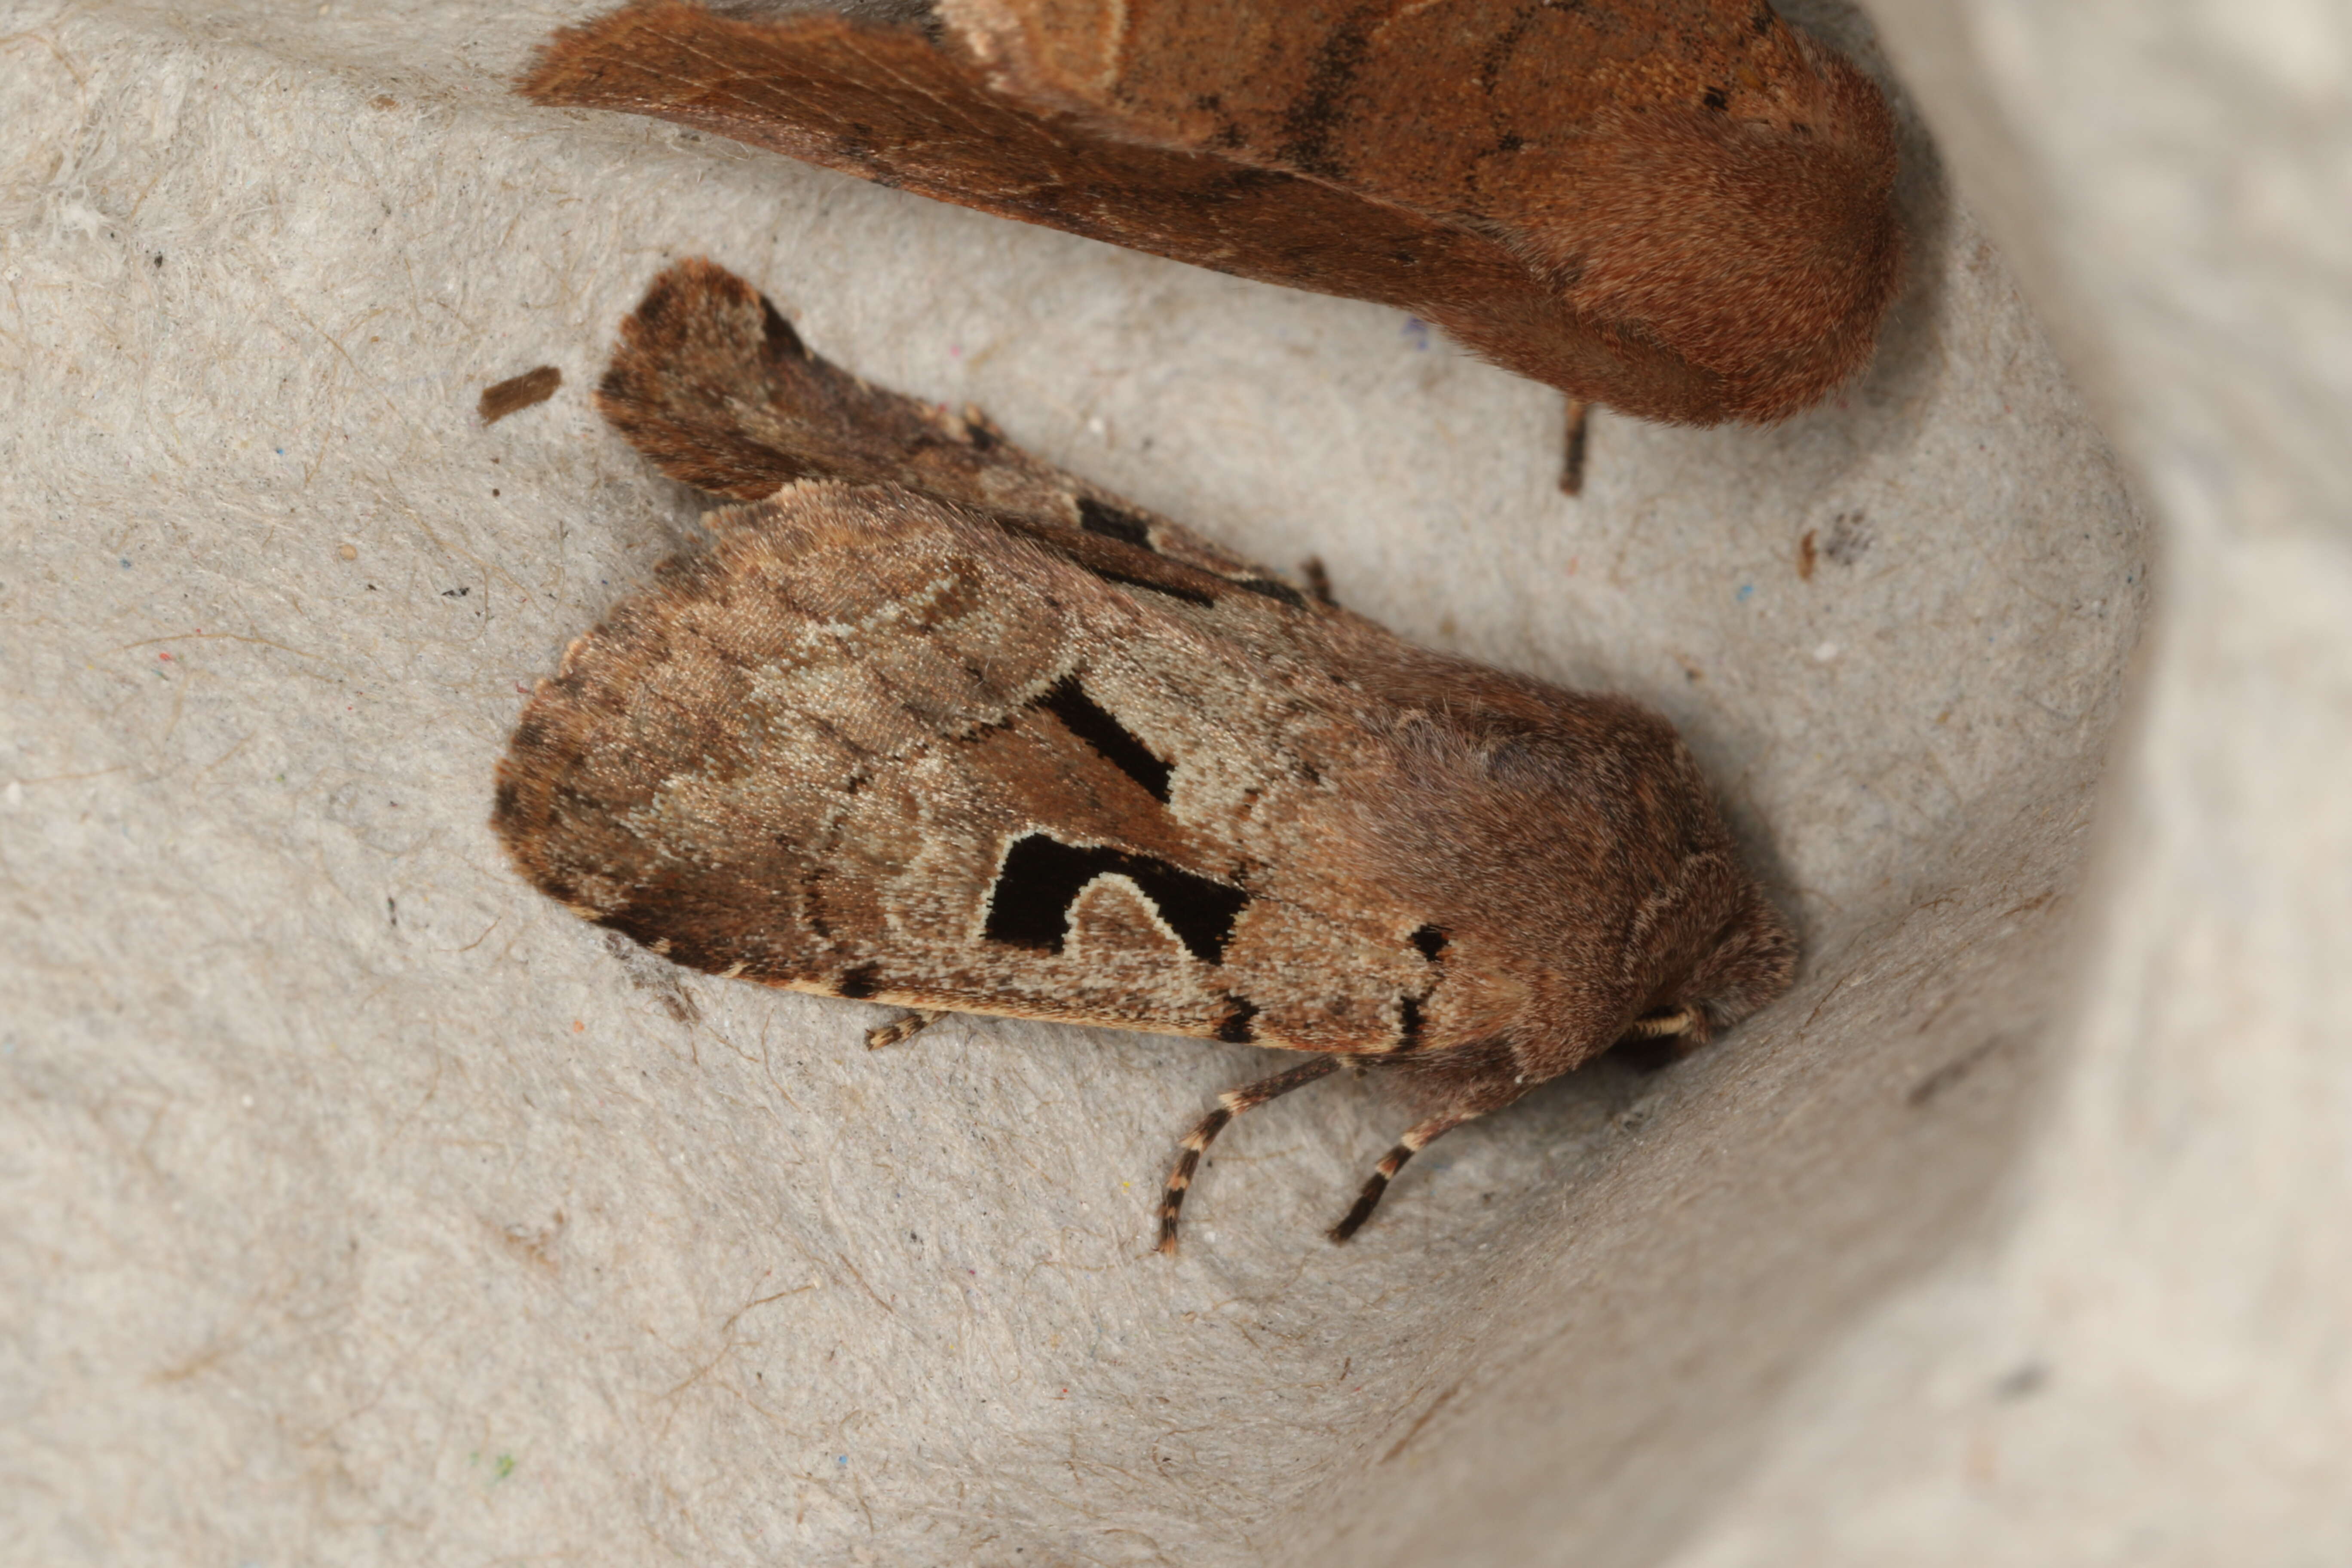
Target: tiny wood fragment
938	725
1572	447
1682	209
518	392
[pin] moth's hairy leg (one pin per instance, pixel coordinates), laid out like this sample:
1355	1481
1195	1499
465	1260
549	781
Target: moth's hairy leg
1659	1025
1230	1104
1417	1138
1579	431
902	1029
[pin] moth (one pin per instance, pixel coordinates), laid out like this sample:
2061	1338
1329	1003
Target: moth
1680	209
934	724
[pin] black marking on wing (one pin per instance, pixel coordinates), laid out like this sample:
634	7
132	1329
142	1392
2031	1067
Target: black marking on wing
859	982
1272	589
1498	53
1431	941
1312	122
1042	878
1108	555
1715	98
1409	1023
1100	728
1174	590
1099	517
1236	1028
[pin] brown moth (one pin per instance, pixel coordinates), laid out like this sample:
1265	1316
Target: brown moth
1682	209
936	724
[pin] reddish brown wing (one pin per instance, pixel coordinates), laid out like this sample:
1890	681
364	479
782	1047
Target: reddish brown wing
1682	211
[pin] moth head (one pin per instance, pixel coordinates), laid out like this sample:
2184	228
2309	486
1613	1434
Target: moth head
1704	951
1583	877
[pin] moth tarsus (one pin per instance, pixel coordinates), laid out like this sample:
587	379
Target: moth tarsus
902	1029
1572	445
936	721
1230	1104
1418	1138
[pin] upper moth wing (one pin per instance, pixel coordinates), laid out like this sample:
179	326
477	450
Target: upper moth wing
1682	211
876	747
714	386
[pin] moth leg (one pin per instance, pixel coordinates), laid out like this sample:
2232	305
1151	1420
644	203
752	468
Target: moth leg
903	1027
1415	1140
1230	1104
1317	577
1652	1044
1571	453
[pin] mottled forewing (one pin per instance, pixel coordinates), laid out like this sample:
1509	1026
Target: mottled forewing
874	746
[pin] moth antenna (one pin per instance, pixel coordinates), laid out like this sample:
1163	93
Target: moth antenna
1418	1138
1659	1025
902	1029
1572	451
1230	1104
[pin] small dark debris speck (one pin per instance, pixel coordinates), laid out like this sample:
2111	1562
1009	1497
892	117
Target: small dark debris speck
2021	1381
518	392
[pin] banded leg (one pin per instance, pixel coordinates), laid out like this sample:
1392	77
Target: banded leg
1230	1104
1418	1138
903	1027
1658	1025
